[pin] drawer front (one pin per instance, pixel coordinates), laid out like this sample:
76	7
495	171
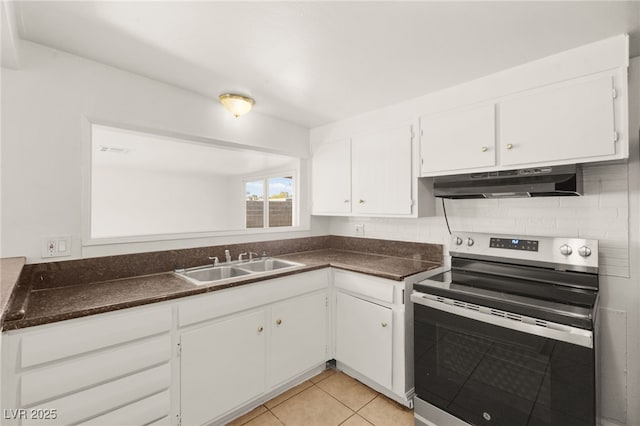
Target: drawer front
65	339
153	409
80	373
85	405
376	288
229	301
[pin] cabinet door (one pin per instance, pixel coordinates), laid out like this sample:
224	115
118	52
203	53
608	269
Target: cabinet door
298	336
364	337
381	164
222	366
561	124
331	178
458	140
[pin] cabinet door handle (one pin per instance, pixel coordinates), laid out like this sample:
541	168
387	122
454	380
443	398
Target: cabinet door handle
384	324
361	201
260	329
485	149
278	321
346	201
509	146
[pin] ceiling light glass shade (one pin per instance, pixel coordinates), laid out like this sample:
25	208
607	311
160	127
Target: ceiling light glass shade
237	104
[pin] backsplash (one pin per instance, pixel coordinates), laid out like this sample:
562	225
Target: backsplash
72	272
602	214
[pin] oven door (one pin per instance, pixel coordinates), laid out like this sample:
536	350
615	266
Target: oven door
489	370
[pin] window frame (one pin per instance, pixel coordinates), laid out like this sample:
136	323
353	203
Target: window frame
104	246
264	177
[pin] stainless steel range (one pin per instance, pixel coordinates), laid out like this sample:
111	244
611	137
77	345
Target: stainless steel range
507	336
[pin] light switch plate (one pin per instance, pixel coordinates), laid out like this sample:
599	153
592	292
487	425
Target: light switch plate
360	230
56	246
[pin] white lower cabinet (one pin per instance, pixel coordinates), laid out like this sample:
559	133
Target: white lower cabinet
112	368
298	336
241	344
222	366
364	332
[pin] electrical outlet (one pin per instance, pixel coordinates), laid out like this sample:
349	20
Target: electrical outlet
360	230
58	246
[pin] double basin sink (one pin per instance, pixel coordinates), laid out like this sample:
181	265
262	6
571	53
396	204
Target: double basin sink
205	275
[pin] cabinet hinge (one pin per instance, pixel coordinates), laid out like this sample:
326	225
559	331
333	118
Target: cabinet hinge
421	132
615	136
615	93
422	161
179	349
178	420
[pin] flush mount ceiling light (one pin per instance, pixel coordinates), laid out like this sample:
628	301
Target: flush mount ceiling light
236	104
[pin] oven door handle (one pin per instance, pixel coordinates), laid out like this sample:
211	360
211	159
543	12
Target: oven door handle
561	332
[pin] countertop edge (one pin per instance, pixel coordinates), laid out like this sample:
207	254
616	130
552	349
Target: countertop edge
10	270
26	323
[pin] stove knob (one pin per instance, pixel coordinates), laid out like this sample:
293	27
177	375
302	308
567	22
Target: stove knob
584	251
470	242
458	241
566	250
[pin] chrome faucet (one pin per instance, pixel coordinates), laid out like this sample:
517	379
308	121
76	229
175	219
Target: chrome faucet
227	255
215	260
251	255
240	257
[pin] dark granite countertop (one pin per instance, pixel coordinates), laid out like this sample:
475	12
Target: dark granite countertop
52	304
10	270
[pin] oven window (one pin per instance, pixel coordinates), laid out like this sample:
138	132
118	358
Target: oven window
485	374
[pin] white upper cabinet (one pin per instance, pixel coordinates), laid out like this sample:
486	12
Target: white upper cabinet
331	177
567	123
367	174
458	140
382	172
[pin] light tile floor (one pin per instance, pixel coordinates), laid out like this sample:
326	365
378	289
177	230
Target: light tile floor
329	399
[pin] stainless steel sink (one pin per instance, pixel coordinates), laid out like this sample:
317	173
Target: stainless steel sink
205	275
264	265
211	274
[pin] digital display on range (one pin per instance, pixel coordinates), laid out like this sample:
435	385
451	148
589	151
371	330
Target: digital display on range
513	244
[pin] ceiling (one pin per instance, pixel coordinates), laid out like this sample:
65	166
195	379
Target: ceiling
316	62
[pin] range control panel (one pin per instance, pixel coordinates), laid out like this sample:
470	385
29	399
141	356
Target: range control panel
562	253
514	244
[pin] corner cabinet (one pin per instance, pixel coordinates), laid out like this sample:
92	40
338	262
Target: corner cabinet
577	121
364	337
369	174
373	332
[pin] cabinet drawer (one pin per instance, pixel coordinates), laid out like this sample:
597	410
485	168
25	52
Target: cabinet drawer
61	340
87	404
376	288
59	379
153	409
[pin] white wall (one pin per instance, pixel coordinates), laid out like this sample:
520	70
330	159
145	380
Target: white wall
609	211
45	105
128	201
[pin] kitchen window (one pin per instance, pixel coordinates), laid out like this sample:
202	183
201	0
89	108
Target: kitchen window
270	201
